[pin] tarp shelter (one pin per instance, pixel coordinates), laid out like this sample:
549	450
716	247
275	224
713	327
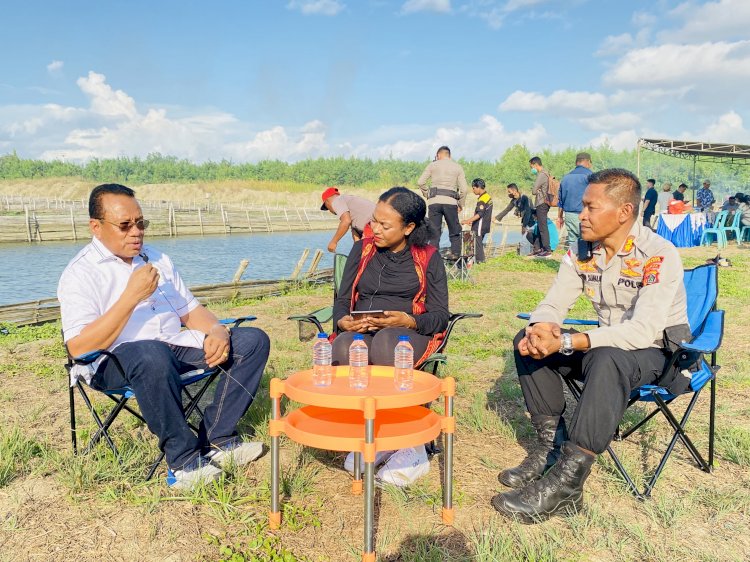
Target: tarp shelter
718	152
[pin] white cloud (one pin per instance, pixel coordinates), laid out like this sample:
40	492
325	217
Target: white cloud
624	140
55	66
113	125
486	139
558	102
727	128
673	64
615	44
105	100
316	7
611	121
724	19
413	6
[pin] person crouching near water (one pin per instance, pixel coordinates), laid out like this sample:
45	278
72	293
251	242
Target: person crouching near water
398	272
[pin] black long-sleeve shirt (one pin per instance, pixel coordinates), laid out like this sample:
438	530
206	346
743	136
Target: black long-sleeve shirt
522	209
390	282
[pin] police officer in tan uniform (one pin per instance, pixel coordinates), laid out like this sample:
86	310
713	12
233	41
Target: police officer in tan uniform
633	278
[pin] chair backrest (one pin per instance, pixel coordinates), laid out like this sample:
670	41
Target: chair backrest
735	220
702	288
720	219
339	262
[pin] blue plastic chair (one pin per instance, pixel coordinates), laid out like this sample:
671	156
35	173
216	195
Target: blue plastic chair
122	396
707	328
716	230
745	230
733	227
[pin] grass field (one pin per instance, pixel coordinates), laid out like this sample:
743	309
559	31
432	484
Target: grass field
54	506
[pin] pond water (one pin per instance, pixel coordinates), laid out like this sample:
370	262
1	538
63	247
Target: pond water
31	271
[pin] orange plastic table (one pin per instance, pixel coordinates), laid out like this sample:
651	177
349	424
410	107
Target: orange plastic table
378	418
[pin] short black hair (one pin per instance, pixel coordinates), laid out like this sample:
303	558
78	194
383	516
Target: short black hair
653	182
478	182
621	186
444	149
512	186
682	185
95	199
412	208
536	160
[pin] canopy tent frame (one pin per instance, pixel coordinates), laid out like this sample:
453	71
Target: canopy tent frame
697	151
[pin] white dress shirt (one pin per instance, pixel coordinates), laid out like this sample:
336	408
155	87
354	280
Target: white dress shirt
95	279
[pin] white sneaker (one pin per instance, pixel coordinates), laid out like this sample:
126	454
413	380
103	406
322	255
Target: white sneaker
237	454
200	471
380	458
405	467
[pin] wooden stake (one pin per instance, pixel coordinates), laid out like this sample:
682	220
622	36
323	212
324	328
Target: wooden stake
73	224
28	223
300	263
314	263
200	220
240	270
505	238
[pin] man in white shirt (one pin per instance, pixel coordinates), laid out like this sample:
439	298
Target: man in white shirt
120	295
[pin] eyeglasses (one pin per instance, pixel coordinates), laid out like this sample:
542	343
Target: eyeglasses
140	224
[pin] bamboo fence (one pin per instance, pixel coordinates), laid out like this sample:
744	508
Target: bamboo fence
34	220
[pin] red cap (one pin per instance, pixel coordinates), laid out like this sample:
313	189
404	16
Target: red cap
326	194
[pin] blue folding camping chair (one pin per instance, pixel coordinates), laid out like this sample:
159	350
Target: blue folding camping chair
194	385
707	328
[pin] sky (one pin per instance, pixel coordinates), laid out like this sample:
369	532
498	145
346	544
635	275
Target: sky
294	79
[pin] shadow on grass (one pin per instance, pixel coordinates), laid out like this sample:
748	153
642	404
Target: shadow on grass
423	547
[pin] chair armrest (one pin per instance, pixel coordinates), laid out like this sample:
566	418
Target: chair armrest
236	322
567	321
90	356
710	337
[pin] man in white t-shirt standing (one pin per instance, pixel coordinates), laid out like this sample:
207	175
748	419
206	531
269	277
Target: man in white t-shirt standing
354	213
127	298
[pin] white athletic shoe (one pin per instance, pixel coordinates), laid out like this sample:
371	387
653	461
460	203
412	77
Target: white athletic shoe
198	472
236	454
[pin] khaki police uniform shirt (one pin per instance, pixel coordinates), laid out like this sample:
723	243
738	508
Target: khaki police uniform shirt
444	174
636	295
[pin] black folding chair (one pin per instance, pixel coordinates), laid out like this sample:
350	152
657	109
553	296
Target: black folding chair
707	327
194	385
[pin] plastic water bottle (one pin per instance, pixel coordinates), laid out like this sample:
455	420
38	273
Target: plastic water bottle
403	376
359	372
322	369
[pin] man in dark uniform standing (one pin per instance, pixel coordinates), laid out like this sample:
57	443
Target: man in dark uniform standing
634	281
481	220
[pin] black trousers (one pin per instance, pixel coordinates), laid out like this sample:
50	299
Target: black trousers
541	219
647	218
479	248
609	375
436	213
380	345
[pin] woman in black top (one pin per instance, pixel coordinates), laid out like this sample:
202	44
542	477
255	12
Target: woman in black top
390	282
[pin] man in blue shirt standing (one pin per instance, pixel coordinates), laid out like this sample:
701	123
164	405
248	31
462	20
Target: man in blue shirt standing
570	198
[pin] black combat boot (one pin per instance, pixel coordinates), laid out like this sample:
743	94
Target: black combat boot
558	491
544	452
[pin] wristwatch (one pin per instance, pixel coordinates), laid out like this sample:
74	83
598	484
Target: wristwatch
566	344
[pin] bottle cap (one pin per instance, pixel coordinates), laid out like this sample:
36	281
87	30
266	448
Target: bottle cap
359	337
323	335
403	338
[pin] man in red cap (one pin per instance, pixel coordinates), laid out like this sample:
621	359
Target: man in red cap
355	214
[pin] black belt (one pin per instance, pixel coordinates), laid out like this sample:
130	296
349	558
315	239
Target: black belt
440	191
